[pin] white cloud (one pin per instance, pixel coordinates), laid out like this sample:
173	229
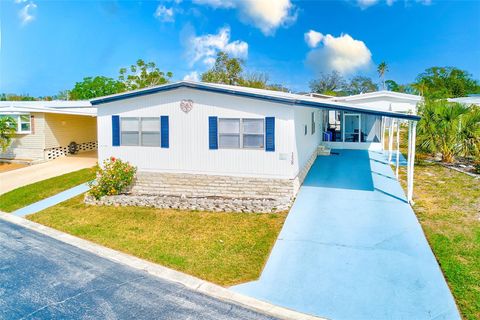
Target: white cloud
312	38
192	76
267	15
364	4
204	48
217	3
26	14
164	14
343	54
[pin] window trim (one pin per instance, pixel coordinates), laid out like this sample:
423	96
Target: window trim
241	134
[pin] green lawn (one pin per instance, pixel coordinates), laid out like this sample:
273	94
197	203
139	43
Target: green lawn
225	248
34	192
447	203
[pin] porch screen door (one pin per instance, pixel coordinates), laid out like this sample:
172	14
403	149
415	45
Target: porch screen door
351	132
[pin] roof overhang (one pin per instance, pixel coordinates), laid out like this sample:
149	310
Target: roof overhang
22	110
268	95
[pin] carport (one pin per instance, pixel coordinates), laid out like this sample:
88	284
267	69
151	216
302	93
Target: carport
352	248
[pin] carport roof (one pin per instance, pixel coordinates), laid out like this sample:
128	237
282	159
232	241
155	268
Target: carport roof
261	94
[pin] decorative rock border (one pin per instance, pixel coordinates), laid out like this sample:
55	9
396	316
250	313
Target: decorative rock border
215	204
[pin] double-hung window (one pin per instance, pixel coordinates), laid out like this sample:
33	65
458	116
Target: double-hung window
241	133
150	134
130	131
140	132
253	133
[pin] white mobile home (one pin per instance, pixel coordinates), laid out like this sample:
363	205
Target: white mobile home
202	139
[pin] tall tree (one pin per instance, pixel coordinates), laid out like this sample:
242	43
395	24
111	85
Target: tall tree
254	80
329	83
95	87
391	85
226	70
143	75
446	82
7	132
361	84
382	69
229	70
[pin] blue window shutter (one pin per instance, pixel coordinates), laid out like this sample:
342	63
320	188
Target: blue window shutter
115	131
164	134
212	133
270	134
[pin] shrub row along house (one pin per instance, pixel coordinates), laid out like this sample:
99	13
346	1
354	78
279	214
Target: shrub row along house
200	140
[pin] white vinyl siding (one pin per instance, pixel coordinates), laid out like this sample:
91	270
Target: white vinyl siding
189	135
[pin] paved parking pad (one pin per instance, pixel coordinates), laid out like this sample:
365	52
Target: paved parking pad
352	248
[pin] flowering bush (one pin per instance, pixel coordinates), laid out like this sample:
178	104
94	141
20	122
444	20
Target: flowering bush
112	178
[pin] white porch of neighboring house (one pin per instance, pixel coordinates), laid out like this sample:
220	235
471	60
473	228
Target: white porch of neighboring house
46	128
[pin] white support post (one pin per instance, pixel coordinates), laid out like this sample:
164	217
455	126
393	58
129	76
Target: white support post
390	141
412	128
397	159
383	132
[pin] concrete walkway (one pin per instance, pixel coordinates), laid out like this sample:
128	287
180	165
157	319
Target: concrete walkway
352	248
52	201
20	177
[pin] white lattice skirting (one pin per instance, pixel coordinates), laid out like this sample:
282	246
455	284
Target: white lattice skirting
56	152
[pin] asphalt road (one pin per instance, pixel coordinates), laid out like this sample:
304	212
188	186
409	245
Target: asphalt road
42	278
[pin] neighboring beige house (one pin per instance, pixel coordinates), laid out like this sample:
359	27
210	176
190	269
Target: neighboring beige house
46	128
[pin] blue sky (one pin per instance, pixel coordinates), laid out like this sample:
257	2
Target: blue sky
46	46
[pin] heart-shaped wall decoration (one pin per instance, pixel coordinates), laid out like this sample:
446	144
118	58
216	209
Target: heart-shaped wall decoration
186	105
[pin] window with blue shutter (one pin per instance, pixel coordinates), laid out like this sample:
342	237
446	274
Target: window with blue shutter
270	134
115	131
212	133
164	138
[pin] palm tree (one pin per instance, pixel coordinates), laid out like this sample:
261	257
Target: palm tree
382	69
7	132
451	129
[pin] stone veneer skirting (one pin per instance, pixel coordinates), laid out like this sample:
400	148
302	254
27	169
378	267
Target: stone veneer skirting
214	204
210	192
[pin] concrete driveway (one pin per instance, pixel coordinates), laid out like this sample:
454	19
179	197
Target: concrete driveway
352	248
42	278
20	177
